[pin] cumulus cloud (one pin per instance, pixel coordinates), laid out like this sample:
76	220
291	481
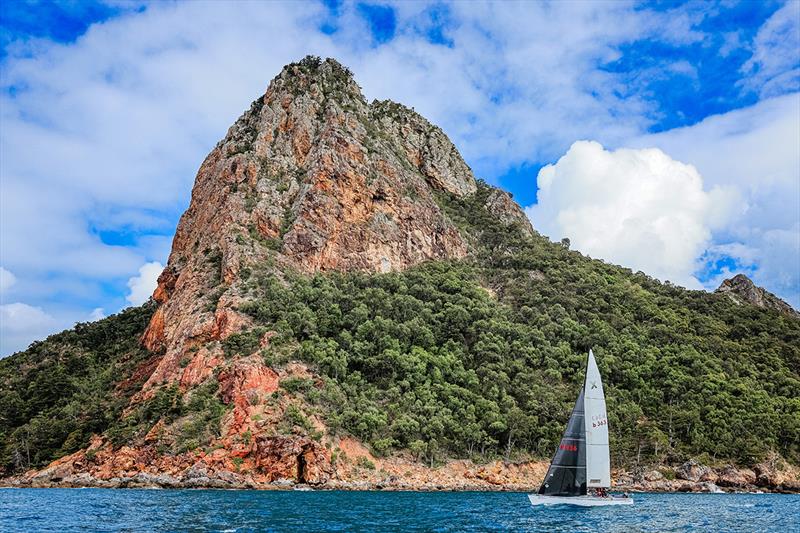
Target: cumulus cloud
97	313
142	286
136	103
753	151
639	208
20	324
7	279
102	136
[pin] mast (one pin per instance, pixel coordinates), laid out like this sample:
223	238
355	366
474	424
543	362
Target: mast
598	461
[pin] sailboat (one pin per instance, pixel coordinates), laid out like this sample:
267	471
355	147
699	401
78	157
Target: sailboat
582	462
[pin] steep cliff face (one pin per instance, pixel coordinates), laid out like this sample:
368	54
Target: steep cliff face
312	177
742	290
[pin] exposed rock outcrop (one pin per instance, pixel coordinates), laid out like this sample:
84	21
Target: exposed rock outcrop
693	476
313	177
730	476
500	204
299	460
694	471
288	462
742	290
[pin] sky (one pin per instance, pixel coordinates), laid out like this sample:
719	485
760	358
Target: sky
663	136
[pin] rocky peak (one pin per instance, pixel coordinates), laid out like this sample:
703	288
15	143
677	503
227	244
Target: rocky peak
325	77
311	177
742	290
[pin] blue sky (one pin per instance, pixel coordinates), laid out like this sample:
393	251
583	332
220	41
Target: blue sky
662	136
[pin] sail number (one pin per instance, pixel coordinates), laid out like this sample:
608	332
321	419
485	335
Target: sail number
568	447
599	420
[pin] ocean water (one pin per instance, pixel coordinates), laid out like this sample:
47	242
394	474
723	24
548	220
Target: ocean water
64	510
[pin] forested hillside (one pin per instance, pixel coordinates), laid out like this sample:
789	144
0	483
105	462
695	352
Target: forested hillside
487	355
478	358
58	392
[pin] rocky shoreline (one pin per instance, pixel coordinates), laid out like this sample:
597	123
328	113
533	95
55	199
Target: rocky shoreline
690	477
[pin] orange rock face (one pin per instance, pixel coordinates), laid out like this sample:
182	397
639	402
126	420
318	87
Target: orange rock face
153	338
227	322
244	385
292	458
200	367
310	177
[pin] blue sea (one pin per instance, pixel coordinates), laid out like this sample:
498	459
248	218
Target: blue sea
64	510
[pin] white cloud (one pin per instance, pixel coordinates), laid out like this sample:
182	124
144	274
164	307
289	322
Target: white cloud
756	152
97	313
522	81
638	208
136	103
7	279
773	68
20	324
142	286
101	138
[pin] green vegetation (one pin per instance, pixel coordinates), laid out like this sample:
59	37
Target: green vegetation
432	361
243	343
296	384
296	418
58	392
365	463
202	415
166	404
477	358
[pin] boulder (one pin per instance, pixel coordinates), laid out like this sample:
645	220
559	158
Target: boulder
653	475
730	476
692	471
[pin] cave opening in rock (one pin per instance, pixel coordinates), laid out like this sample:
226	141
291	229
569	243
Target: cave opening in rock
301	468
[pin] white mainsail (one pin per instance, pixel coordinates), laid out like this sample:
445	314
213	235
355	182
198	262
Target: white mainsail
598	463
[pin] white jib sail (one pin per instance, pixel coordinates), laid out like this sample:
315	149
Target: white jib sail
598	463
